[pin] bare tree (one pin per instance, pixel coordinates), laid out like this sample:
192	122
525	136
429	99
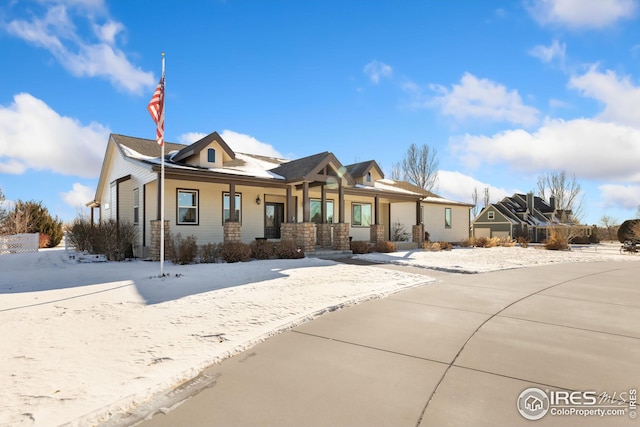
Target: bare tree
487	197
396	171
3	211
420	167
566	191
609	223
474	198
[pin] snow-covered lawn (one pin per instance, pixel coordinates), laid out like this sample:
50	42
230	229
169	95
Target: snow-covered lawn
81	341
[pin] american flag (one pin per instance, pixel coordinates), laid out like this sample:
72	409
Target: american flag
156	109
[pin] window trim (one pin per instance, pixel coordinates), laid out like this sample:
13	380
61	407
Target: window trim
196	207
353	205
491	215
238	208
136	206
447	216
209	152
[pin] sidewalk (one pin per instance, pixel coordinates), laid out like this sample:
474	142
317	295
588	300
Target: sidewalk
458	352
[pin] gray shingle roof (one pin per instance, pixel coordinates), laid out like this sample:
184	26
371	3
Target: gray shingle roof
146	147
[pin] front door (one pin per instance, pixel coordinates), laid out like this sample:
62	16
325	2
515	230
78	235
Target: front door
273	218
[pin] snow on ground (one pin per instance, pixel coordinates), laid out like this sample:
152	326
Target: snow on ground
85	341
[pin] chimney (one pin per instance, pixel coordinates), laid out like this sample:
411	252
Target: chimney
530	202
552	202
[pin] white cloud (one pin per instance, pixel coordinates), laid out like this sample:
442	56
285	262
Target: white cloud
620	96
34	136
377	70
78	196
484	99
588	148
578	14
191	137
625	196
239	142
82	57
549	53
458	186
243	143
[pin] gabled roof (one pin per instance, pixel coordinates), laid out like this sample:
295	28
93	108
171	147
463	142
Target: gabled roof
198	146
358	170
308	168
146	147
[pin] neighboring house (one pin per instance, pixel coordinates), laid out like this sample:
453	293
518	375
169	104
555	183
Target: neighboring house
219	195
525	214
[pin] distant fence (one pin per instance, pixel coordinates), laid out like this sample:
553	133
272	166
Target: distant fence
19	243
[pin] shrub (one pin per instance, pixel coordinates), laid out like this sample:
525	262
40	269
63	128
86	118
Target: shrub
523	240
384	247
580	240
595	235
629	231
557	241
468	243
210	252
236	252
33	217
445	246
399	232
288	249
261	249
182	251
506	242
435	246
43	240
360	247
108	238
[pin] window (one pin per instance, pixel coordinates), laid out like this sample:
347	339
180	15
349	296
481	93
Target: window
447	217
316	211
211	155
368	176
188	207
361	214
225	207
491	215
136	206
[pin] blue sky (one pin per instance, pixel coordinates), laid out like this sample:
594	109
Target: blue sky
503	90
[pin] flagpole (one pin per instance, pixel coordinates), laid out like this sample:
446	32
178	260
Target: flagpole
162	180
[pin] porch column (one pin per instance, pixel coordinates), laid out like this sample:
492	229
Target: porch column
306	208
341	229
290	214
323	235
340	202
418	222
376	214
232	202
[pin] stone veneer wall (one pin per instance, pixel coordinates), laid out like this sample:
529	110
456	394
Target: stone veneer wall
417	233
232	231
341	236
377	233
154	250
303	233
324	235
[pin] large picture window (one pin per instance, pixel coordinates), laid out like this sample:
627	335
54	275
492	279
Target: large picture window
361	214
225	207
447	217
316	211
188	207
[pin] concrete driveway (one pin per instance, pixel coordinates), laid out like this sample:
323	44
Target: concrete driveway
459	352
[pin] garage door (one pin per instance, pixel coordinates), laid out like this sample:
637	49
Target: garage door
482	232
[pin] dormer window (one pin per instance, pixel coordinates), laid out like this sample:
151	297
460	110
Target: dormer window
491	215
368	176
211	155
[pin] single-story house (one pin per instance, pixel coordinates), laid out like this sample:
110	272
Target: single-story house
219	195
527	215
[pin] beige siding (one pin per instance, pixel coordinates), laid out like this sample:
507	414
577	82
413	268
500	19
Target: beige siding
405	214
434	222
